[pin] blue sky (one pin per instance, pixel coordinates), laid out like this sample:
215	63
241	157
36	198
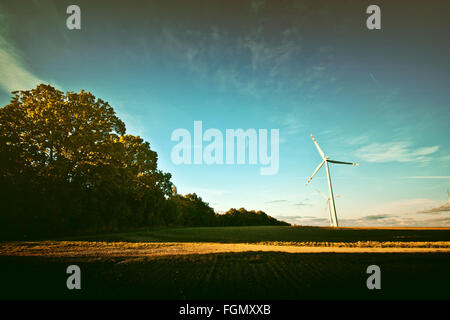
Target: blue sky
378	97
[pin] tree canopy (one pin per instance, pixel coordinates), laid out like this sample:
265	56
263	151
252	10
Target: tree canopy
67	163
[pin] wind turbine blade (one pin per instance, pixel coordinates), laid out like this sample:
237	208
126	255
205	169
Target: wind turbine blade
341	162
324	196
317	146
317	169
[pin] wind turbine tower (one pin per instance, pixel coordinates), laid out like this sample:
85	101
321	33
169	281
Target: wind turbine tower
326	160
327	207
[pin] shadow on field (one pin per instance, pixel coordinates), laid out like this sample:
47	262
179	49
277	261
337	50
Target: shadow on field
247	275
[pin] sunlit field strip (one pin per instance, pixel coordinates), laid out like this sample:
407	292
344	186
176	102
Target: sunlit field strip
363	244
118	249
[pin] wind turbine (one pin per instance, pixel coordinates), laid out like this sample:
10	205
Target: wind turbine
325	161
327	201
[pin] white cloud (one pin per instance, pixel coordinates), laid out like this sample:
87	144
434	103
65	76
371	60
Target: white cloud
443	208
428	177
270	56
401	213
292	124
304	220
395	151
380	220
403	206
13	74
396	221
276	201
357	140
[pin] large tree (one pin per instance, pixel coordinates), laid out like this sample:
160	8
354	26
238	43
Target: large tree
68	163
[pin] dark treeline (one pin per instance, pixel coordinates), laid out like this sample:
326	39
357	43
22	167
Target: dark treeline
67	166
190	210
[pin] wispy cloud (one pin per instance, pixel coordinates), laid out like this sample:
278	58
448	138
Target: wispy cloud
276	201
257	4
216	56
358	140
305	220
403	206
301	204
427	177
396	221
378	217
401	213
13	72
271	57
373	78
381	220
443	208
395	152
292	125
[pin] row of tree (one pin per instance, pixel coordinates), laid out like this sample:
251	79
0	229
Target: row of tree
67	166
191	210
